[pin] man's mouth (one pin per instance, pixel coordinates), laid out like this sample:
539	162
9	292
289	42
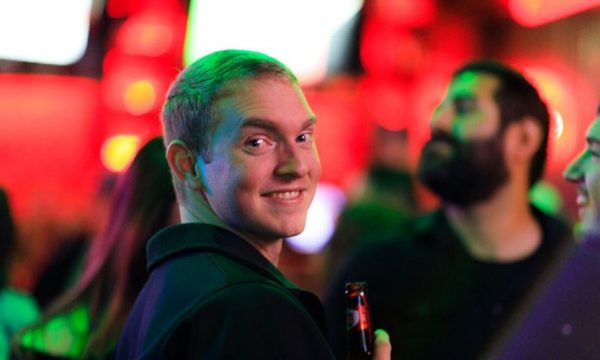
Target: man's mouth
582	197
439	147
284	195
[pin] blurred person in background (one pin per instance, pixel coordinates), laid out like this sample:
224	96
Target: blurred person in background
385	199
452	279
564	320
17	309
245	168
87	320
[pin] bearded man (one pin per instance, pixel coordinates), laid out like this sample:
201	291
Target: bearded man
451	281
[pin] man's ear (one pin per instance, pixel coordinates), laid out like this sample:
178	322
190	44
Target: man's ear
184	166
523	139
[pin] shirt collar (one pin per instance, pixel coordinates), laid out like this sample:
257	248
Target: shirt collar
183	238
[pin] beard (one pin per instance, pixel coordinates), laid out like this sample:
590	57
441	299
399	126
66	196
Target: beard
463	174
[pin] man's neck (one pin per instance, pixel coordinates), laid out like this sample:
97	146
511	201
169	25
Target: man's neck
270	249
501	229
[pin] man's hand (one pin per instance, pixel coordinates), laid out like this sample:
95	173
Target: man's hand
382	347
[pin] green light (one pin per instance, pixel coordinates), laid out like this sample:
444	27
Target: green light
546	198
64	335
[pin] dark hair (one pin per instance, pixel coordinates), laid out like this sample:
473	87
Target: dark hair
188	111
516	98
115	266
7	236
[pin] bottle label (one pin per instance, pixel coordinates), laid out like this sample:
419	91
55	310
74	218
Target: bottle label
358	317
352	318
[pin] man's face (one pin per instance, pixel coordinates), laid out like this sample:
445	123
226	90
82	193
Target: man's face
585	172
463	162
264	164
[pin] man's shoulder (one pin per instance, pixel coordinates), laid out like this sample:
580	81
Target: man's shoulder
557	236
552	226
245	316
266	296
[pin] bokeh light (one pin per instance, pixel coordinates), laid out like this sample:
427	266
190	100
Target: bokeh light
118	151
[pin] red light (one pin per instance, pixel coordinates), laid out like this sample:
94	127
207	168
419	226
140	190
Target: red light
538	12
48	140
134	84
386	103
145	35
386	51
406	13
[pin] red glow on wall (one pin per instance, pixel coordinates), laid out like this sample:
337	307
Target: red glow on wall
343	133
405	13
48	134
386	103
385	51
124	8
539	12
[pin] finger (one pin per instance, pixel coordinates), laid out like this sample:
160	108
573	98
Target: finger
383	348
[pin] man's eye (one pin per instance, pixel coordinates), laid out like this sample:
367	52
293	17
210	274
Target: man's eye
306	137
594	152
256	143
463	106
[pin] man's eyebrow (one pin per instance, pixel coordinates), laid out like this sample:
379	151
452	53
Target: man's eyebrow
463	96
271	125
592	141
259	123
309	122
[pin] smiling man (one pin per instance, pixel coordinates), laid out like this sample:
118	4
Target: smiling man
241	150
447	284
564	321
585	172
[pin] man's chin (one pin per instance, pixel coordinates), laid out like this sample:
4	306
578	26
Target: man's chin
586	226
293	231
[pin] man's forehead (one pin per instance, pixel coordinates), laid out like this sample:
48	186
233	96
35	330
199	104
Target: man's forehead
473	84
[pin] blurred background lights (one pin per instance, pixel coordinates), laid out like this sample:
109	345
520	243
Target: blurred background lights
539	12
559	124
555	89
48	32
407	13
299	33
546	197
118	151
320	221
144	37
139	97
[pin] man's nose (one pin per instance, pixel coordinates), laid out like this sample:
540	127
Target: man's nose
291	162
574	171
441	119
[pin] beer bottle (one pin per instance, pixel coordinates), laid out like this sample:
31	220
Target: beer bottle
359	330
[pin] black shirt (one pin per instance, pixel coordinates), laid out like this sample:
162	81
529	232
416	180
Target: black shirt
211	295
435	300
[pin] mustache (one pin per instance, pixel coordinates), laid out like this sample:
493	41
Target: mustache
442	136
